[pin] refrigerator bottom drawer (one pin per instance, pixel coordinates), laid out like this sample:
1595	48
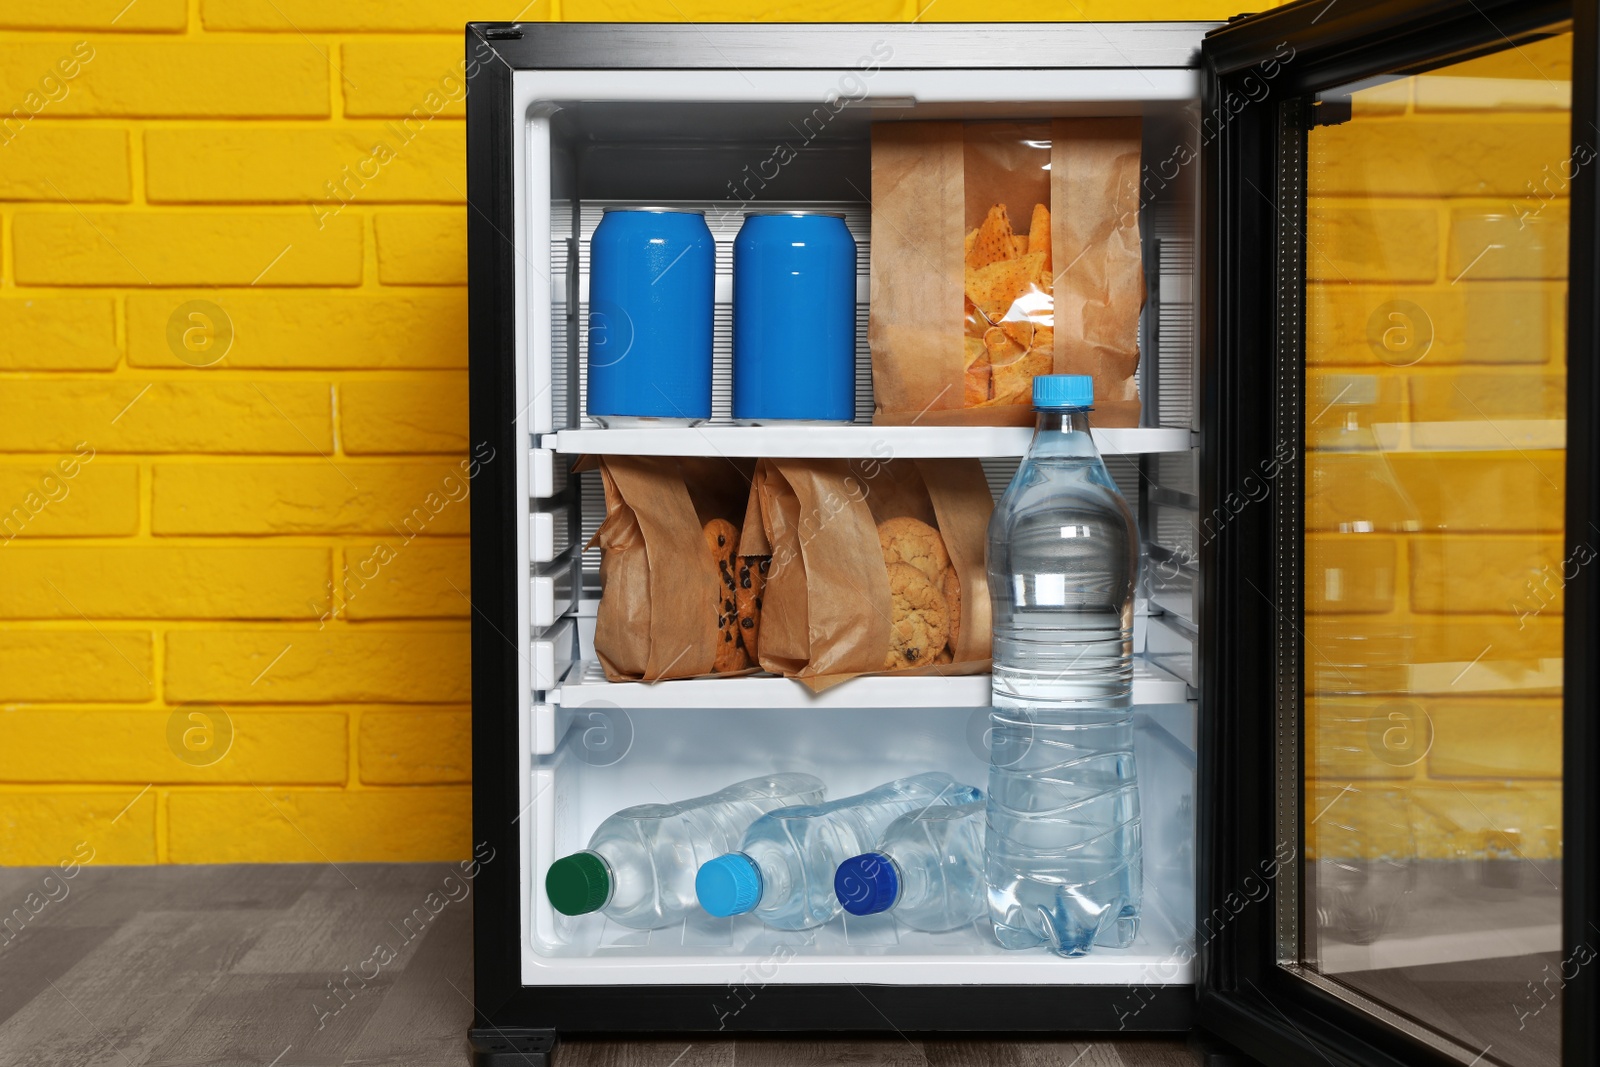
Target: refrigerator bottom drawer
623	757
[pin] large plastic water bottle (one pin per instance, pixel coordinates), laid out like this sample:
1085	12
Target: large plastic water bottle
927	870
1062	851
640	865
783	871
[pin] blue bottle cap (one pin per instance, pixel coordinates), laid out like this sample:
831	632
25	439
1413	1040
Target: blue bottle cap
1053	392
866	884
728	885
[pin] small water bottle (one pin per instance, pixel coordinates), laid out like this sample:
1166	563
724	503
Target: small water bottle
1062	848
927	870
783	871
640	865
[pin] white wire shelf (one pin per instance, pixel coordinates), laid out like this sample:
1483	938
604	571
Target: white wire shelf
846	442
586	685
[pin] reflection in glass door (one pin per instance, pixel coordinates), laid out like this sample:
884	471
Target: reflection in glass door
1434	555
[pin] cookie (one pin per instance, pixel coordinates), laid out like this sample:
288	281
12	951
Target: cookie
722	538
952	599
919	618
751	578
945	656
907	540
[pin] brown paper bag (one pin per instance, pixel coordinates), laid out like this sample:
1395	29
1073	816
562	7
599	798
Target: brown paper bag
827	606
659	588
1003	250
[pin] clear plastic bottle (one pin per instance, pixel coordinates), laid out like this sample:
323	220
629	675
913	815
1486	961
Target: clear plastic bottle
1063	855
927	869
640	865
783	871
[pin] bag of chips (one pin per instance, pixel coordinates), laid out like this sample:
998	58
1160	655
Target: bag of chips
1003	250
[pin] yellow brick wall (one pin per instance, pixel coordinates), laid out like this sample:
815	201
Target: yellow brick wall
159	152
1446	194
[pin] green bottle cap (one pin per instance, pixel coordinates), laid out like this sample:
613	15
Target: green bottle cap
578	884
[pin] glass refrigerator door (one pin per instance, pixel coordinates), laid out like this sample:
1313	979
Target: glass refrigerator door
1402	534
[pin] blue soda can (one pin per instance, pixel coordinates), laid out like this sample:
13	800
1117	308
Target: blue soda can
652	285
794	318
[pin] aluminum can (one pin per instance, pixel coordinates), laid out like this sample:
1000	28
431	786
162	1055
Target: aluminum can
652	285
794	318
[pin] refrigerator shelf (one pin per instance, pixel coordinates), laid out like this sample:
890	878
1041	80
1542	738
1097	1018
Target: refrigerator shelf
847	442
586	685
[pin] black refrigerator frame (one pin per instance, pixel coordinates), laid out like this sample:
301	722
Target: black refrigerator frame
1250	373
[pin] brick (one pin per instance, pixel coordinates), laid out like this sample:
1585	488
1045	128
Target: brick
187	79
422	248
320	826
1477	396
834	11
1450	90
974	11
58	333
421	414
76	665
1358	820
309	666
1351	738
1487	575
1459	819
1504	738
1458	656
1349	573
177	248
361	163
1345	410
100	15
64	163
1351	241
295	329
1490	244
1432	158
1455	491
415	747
148	582
388	578
127	415
389	79
334	496
61	496
377	16
48	827
141	746
1402	326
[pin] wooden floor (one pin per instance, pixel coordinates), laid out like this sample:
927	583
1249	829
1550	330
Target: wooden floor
237	965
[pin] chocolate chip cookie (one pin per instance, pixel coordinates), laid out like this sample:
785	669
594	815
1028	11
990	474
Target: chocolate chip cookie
919	621
723	540
751	579
912	541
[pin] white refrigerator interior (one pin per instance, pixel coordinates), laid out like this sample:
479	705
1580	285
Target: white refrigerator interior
587	139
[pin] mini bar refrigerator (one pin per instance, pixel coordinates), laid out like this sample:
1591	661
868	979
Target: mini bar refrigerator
1365	719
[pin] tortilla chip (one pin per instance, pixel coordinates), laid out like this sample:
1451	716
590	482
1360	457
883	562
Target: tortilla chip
1019	247
993	288
975	381
1044	340
993	243
967	243
1001	348
1012	383
1039	235
1019	330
